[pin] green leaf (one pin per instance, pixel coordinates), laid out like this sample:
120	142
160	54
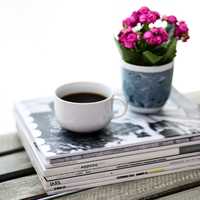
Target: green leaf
160	50
141	46
171	51
141	56
129	55
151	58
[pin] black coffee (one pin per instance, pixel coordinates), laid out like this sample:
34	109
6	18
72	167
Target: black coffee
83	97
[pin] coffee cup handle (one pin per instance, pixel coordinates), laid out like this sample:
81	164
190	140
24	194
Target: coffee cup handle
125	107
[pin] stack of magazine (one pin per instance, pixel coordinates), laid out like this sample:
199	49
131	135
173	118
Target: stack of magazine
132	147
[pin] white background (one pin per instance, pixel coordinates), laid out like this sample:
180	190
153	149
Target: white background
44	43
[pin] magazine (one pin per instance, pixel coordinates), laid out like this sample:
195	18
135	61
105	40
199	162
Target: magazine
107	164
117	167
129	173
131	133
122	173
117	179
107	171
133	147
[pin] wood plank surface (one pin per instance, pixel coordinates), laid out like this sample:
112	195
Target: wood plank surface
28	187
15	165
192	194
9	143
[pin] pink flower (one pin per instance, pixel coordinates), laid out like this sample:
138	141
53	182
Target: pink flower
135	15
143	18
163	34
148	35
127	22
134	18
170	19
156	36
127	38
182	31
153	16
131	21
157	14
183	27
143	10
147	16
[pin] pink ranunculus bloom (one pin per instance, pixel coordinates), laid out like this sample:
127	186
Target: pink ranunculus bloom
170	19
127	22
163	34
156	36
143	18
153	16
147	16
143	10
183	27
155	30
134	19
147	35
135	15
127	38
158	40
157	14
131	21
182	31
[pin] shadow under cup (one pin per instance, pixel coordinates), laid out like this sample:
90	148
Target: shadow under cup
83	117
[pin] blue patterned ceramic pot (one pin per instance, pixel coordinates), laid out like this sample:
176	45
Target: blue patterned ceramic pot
146	88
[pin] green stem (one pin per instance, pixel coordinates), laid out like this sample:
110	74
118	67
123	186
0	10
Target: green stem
145	28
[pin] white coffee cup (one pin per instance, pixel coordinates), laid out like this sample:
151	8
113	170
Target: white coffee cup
86	117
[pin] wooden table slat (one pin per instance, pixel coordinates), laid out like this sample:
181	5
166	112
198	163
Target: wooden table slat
22	188
192	194
30	186
9	143
15	165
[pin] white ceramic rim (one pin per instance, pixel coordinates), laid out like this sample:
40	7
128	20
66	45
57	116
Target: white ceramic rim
109	97
145	110
147	69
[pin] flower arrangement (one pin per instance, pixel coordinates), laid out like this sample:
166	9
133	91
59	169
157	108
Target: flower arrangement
142	43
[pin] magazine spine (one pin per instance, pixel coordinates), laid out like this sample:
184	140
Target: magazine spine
136	148
131	171
113	163
118	166
115	179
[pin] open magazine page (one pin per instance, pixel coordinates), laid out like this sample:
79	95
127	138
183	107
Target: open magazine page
179	116
53	141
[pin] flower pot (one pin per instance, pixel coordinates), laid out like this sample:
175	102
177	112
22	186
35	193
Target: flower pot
146	88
